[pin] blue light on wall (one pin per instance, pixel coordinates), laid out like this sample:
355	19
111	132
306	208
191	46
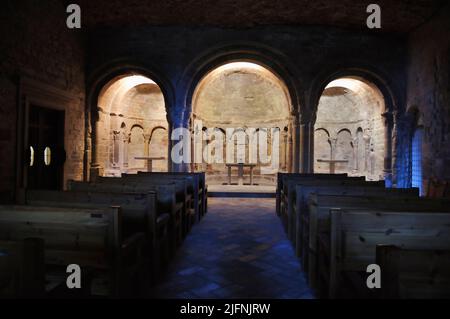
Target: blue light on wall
416	159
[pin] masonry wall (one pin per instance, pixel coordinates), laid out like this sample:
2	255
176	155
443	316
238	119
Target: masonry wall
35	43
308	55
428	92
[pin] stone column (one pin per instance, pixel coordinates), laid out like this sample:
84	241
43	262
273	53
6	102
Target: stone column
147	138
95	169
307	147
125	142
177	121
296	146
388	127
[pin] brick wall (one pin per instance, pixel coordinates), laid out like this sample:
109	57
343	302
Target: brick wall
35	42
428	91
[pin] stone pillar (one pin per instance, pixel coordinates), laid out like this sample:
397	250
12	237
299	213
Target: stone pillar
125	142
95	169
388	128
147	138
296	146
177	121
307	147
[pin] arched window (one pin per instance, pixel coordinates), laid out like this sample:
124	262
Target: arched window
416	159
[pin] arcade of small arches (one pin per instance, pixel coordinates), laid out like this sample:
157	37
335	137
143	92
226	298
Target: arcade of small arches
351	131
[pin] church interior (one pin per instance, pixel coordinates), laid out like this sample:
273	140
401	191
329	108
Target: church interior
225	149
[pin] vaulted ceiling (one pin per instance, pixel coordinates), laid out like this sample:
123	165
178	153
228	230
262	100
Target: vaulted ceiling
398	16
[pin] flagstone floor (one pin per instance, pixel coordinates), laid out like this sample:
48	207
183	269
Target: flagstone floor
239	250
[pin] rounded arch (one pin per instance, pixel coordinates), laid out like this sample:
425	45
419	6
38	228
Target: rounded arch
158	127
346	130
255	53
106	73
98	80
365	74
322	129
344	101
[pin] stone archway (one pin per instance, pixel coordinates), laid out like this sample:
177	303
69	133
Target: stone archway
130	108
351	109
245	97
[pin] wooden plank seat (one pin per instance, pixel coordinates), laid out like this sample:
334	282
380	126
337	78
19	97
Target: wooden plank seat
22	268
181	194
301	213
165	198
319	222
90	238
185	192
200	196
281	177
413	273
139	215
287	194
290	192
355	234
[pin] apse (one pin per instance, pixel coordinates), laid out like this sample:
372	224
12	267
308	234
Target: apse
248	100
349	129
133	126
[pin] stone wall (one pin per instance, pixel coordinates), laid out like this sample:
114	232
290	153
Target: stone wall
349	127
428	95
36	44
133	123
241	97
305	58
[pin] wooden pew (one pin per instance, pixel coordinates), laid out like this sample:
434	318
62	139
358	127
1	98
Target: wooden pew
139	215
90	238
301	208
288	191
319	222
134	183
356	233
185	191
413	273
165	196
291	193
199	184
22	268
281	177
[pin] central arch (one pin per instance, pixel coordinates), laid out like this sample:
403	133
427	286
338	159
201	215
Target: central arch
244	104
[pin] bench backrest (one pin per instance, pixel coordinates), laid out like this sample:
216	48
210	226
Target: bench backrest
413	273
22	268
139	213
356	233
165	193
80	236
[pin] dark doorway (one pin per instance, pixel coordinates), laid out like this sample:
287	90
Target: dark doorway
46	154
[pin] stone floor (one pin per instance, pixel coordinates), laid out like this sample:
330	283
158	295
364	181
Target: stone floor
239	250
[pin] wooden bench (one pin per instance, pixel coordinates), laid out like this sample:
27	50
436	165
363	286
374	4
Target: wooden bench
281	177
184	194
139	215
319	221
199	184
290	192
165	196
90	238
22	268
413	273
301	208
355	234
